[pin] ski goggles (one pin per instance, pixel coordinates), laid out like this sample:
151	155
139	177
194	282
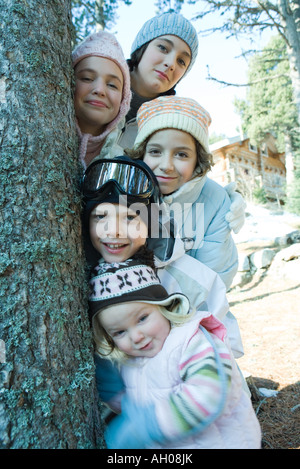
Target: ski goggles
129	177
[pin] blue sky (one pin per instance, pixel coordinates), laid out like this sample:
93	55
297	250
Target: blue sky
215	51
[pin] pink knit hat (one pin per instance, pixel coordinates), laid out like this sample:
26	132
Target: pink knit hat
104	44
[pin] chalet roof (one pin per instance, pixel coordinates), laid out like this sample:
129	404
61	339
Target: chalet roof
225	142
269	140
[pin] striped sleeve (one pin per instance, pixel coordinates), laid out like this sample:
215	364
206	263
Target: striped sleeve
205	370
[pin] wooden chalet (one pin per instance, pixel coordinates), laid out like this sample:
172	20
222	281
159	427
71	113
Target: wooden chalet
235	159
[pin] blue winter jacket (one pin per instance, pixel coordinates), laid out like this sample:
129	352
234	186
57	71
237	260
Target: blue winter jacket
199	208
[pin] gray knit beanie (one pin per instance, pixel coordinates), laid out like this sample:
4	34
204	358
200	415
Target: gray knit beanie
168	23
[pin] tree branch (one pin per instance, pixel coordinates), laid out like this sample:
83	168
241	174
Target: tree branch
254	82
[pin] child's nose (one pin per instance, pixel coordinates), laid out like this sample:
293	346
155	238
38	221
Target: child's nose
166	163
136	335
99	87
170	61
116	229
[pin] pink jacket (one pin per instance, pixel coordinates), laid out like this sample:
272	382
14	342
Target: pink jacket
155	379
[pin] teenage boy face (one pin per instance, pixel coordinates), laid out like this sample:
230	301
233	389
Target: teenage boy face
116	231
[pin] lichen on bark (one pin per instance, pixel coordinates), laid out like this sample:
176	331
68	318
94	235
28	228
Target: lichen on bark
47	391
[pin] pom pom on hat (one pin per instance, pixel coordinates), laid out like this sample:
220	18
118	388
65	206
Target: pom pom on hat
168	23
171	112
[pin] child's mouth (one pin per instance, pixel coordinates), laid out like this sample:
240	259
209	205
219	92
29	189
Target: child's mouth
147	346
165	178
114	248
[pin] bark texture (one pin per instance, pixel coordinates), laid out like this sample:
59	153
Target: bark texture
47	390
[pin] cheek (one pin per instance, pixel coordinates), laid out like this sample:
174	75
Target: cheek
137	238
187	171
116	101
97	231
93	231
145	61
164	328
151	162
123	345
178	75
80	90
138	232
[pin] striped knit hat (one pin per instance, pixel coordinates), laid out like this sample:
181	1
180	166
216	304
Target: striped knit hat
125	282
171	112
168	23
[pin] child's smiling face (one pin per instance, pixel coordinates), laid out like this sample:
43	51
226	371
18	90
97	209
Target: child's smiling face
172	156
137	329
116	231
98	93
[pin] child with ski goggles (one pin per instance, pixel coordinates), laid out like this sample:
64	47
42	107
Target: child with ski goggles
121	198
122	211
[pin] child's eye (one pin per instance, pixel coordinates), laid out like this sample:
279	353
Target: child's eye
85	78
131	217
182	62
118	334
143	318
99	216
162	48
181	154
153	151
113	85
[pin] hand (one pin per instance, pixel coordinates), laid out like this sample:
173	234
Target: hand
236	216
135	428
108	379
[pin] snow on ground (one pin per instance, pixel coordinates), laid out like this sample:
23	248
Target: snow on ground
266	224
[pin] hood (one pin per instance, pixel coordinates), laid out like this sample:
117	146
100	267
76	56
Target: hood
90	146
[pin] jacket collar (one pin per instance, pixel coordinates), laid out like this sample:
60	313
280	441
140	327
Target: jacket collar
188	193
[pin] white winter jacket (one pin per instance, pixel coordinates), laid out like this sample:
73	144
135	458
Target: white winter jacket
199	208
182	273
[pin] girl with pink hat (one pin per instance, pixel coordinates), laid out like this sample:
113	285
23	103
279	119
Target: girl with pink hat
102	95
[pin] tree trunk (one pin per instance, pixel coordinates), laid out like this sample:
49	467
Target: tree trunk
47	390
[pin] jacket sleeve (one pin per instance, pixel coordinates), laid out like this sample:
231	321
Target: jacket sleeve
205	370
217	250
